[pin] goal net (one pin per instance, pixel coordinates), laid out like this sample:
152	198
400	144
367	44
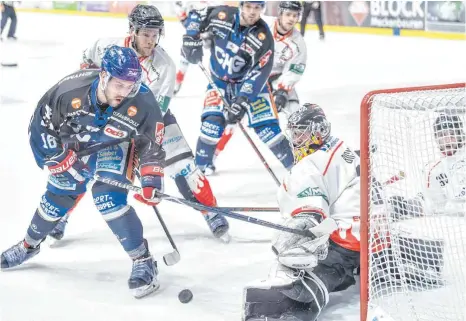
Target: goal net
413	204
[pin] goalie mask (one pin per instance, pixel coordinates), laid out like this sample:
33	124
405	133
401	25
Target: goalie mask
449	133
308	129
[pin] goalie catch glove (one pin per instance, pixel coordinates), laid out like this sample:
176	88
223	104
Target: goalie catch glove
301	252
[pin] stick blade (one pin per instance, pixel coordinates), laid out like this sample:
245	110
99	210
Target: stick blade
172	258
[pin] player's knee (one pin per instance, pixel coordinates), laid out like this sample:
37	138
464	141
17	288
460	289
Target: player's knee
212	128
194	186
111	202
273	137
53	206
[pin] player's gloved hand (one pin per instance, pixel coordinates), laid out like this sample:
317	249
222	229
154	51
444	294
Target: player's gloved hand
301	252
192	49
237	109
281	99
151	183
69	165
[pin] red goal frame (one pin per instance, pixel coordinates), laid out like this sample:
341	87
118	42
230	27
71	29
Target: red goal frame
366	105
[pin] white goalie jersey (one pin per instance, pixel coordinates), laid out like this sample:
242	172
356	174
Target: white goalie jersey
326	182
290	56
445	190
159	70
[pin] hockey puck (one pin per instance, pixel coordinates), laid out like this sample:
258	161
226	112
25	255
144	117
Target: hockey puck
185	296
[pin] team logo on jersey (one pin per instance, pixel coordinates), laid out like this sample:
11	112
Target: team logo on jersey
159	131
132	111
76	103
114	132
261	36
222	15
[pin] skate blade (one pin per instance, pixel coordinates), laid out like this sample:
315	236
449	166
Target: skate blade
225	238
52	242
144	291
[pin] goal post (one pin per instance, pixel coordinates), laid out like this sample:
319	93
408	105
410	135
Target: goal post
413	266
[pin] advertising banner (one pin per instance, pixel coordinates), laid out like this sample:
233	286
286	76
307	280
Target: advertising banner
65	5
95	6
376	14
446	16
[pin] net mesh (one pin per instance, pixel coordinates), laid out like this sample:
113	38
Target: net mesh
417	212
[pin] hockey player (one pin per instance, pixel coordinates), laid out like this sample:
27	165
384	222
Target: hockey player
182	8
289	62
146	28
241	60
320	194
84	110
445	186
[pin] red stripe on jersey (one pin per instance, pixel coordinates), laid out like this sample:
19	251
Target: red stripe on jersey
430	171
331	157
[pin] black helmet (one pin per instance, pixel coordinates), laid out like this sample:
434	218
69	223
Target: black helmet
145	16
308	129
454	124
290	5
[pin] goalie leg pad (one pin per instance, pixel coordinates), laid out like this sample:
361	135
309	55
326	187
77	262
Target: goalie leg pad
283	297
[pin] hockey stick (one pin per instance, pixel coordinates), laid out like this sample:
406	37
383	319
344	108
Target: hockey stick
249	209
201	207
251	142
172	257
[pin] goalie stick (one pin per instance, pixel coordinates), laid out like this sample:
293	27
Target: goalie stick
201	207
251	142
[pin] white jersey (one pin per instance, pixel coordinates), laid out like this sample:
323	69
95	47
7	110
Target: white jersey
326	182
290	55
159	70
445	190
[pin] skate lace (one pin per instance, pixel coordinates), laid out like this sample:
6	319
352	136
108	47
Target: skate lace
142	269
15	253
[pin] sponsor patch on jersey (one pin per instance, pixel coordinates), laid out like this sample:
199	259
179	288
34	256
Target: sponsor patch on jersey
265	58
246	88
132	111
159	131
222	15
261	36
312	191
297	68
76	103
232	46
114	132
248	49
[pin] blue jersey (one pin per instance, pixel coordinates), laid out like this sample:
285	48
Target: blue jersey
242	55
69	113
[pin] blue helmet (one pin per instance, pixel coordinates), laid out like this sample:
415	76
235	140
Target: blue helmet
122	63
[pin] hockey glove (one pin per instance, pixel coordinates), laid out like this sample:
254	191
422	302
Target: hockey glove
192	49
237	109
67	164
301	252
281	99
151	183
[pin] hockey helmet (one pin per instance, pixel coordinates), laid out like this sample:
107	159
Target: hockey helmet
449	133
291	6
122	63
145	16
308	129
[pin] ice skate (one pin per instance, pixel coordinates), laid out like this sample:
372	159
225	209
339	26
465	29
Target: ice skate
58	232
218	225
143	279
17	255
209	170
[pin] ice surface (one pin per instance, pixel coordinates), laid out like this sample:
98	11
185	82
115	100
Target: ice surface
85	278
